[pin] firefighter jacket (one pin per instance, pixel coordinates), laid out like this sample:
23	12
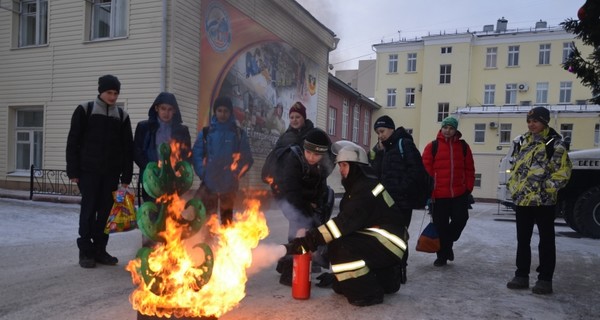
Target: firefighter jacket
541	168
368	208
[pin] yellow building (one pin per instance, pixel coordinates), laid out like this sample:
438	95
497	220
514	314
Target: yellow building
488	80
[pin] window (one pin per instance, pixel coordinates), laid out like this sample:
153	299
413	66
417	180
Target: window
565	92
567	50
511	94
566	130
391	98
489	94
479	132
544	54
445	72
477	180
29	139
597	134
331	121
411	62
366	127
491	56
393	63
345	115
33	23
410	97
446	50
443	111
505	133
109	19
541	95
513	56
355	122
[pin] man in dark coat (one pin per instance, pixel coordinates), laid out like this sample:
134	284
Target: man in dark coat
99	154
366	241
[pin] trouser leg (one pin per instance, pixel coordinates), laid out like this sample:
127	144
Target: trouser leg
441	219
109	183
525	221
227	201
458	216
547	246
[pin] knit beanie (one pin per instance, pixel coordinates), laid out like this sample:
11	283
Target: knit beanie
450	121
384	122
317	141
299	108
223	101
540	114
108	82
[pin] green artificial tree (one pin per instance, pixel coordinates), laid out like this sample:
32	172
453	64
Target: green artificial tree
587	28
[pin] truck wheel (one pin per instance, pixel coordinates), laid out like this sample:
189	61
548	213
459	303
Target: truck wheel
587	213
565	209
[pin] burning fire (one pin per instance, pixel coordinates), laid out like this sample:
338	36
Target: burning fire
189	280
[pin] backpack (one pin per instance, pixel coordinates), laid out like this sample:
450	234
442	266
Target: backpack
424	184
269	169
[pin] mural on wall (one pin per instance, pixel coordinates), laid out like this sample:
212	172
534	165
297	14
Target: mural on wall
263	75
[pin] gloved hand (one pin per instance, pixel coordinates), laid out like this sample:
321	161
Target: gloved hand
297	246
326	279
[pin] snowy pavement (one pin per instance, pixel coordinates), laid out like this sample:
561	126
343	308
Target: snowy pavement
41	279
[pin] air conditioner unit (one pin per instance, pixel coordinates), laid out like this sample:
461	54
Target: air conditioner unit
493	125
523	87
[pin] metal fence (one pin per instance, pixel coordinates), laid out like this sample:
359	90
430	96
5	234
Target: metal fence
56	182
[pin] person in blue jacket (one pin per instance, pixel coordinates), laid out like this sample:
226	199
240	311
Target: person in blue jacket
221	156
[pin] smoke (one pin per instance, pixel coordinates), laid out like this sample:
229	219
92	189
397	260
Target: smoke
264	256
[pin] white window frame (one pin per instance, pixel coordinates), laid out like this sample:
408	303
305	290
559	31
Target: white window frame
489	94
445	73
410	97
566	88
566	52
331	121
491	57
366	127
33	24
34	142
443	111
511	94
513	56
566	131
117	17
393	63
345	115
541	92
411	62
505	133
479	133
391	98
355	122
597	134
544	56
446	50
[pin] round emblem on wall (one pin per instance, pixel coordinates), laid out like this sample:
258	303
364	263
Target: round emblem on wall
217	27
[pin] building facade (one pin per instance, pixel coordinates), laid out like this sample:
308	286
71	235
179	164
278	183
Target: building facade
53	52
489	80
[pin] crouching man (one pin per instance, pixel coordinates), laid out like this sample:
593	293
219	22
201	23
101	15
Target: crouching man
366	240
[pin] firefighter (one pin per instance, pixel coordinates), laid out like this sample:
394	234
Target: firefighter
366	240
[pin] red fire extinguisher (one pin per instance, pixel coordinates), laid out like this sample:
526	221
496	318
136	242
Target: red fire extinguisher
301	276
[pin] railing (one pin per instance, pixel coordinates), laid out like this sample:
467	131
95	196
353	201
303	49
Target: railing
56	182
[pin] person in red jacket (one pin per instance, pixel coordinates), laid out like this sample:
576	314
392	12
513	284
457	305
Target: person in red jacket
453	170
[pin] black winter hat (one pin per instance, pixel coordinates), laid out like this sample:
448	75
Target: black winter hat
109	82
385	122
317	141
223	101
540	114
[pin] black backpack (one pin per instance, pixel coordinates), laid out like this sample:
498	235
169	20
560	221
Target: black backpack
269	169
424	185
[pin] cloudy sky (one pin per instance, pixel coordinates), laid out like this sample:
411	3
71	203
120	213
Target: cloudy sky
361	23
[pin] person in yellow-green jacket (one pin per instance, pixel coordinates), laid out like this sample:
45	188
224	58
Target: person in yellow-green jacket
541	167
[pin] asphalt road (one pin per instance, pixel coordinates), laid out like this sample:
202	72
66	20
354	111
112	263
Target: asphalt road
41	279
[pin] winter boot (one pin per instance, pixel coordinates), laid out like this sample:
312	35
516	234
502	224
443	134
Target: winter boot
102	257
518	283
86	260
542	287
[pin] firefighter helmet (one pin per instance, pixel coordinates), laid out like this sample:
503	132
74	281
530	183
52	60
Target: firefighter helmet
352	153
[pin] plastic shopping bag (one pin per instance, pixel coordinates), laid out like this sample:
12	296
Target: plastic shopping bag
122	215
429	240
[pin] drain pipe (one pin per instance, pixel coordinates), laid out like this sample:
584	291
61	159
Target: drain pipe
163	48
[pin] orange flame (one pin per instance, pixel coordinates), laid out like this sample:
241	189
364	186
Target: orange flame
176	261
